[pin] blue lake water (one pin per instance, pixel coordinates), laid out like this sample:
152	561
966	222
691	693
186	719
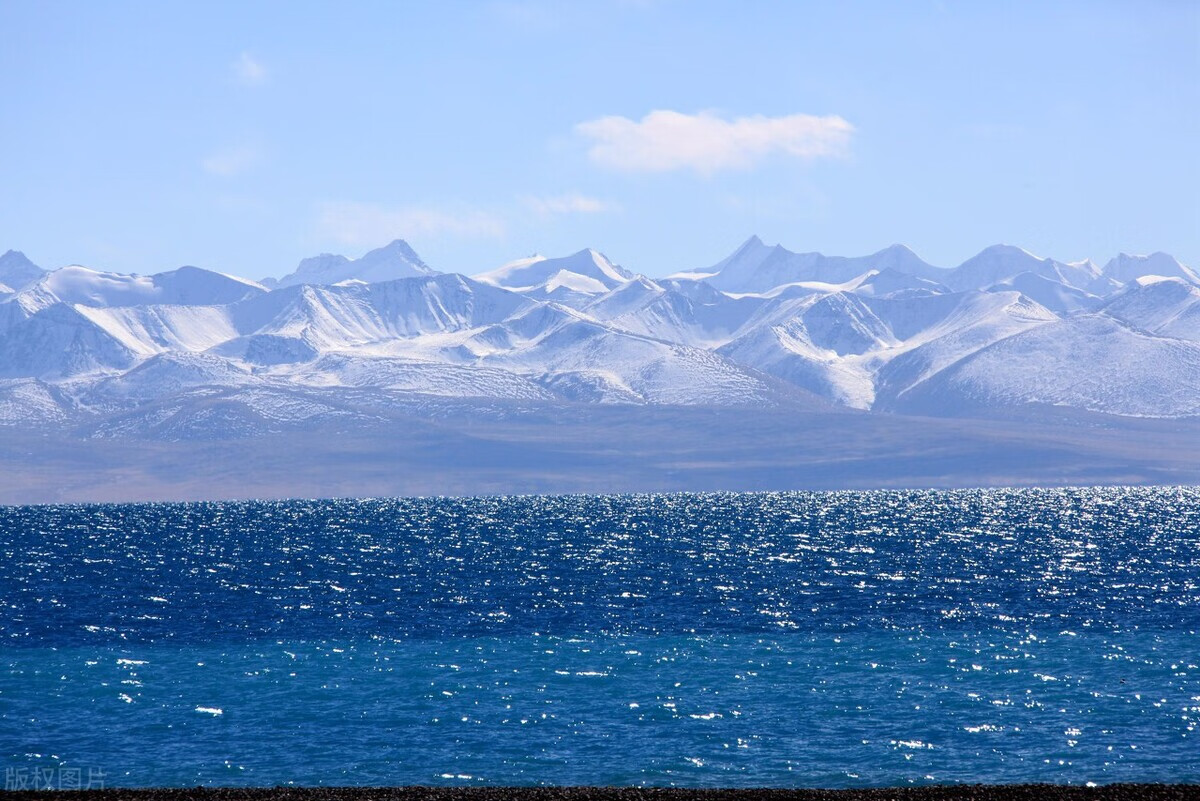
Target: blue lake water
784	639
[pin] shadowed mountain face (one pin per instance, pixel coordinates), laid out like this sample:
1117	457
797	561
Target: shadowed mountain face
17	271
340	345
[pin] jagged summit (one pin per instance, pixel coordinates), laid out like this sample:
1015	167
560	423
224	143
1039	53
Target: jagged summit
752	248
17	271
392	261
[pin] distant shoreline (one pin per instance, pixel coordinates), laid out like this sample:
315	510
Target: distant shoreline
976	792
602	450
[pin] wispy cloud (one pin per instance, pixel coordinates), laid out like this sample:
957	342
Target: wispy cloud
706	143
249	70
367	224
231	161
570	203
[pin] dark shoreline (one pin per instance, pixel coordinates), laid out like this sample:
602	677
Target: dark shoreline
976	792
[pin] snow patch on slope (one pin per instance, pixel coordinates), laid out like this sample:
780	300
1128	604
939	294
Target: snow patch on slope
1088	362
187	286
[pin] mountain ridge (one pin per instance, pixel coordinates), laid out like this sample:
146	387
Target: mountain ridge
763	328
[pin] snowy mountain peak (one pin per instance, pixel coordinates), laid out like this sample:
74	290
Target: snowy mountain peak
584	274
1126	267
1004	251
397	248
196	286
17	271
752	247
903	259
750	253
394	260
995	263
1164	306
1000	263
595	264
756	268
186	286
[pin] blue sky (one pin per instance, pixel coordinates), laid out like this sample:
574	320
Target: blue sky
245	136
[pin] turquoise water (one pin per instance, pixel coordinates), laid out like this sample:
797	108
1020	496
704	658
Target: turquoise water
797	639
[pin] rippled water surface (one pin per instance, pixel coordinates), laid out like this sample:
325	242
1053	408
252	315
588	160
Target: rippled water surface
806	639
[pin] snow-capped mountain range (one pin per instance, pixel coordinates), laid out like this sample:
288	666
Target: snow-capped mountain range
765	327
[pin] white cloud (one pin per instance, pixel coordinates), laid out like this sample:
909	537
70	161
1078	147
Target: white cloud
570	203
669	140
231	161
368	224
249	70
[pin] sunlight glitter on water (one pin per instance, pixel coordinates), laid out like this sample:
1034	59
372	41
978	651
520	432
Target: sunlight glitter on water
831	639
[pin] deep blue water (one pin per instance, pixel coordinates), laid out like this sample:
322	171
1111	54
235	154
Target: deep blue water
796	639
